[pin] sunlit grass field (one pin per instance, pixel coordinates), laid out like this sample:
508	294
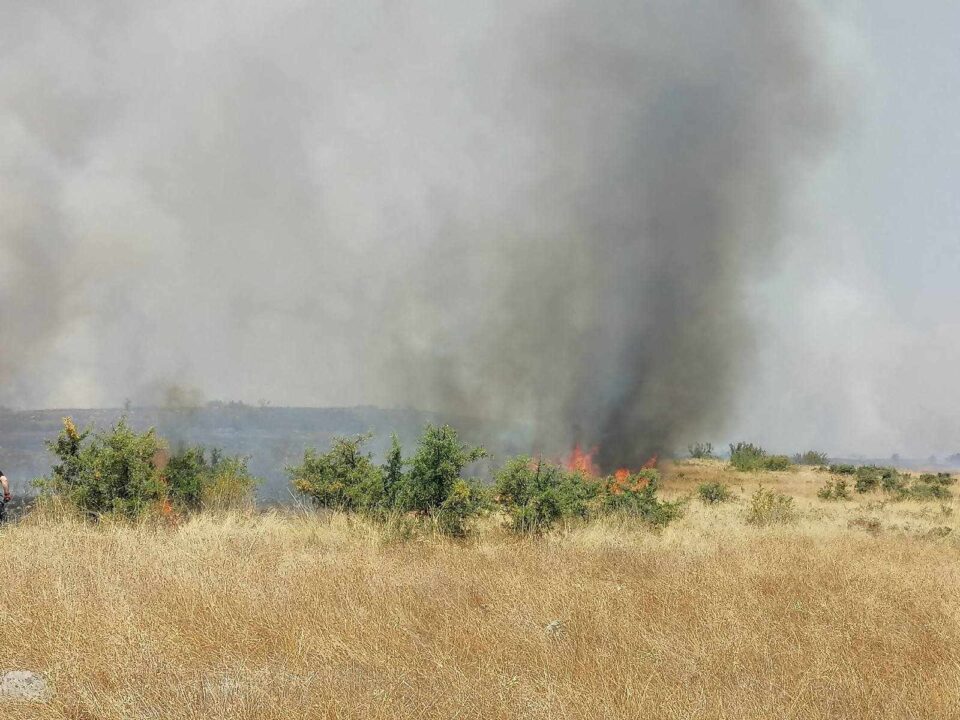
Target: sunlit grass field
852	611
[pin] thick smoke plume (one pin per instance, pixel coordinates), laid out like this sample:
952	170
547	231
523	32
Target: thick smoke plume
541	211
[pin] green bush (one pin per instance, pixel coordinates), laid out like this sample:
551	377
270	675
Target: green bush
228	485
834	490
891	481
536	494
529	492
113	472
931	486
776	462
344	478
749	457
701	450
843	469
811	457
393	478
635	495
434	468
464	501
713	493
768	507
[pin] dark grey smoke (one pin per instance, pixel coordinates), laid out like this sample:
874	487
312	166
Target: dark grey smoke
666	138
541	211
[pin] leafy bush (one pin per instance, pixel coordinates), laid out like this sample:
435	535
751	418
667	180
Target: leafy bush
701	450
229	485
843	469
811	457
834	490
931	486
393	478
464	501
435	468
107	472
713	493
768	507
529	491
776	462
891	481
536	494
634	495
749	457
344	478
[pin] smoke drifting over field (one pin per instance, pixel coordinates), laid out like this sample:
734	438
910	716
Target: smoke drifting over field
545	211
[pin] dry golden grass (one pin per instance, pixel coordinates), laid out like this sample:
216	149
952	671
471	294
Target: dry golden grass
285	616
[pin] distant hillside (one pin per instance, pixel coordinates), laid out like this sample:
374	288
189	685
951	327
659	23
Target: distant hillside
272	437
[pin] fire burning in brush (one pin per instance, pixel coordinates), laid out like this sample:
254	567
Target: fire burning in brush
580	460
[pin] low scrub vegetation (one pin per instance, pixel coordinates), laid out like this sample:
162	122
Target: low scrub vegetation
534	495
769	507
835	489
712	493
701	451
811	457
748	457
890	481
124	473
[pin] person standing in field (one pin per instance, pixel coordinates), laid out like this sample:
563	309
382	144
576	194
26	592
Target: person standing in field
6	496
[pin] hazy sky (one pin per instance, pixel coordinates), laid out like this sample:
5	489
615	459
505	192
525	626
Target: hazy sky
867	311
203	194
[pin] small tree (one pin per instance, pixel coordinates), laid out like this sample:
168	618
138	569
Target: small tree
107	472
713	493
393	478
186	473
811	457
344	478
635	495
747	456
435	467
221	483
701	451
433	487
529	491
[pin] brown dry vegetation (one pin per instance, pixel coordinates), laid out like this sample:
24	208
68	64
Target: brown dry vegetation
852	612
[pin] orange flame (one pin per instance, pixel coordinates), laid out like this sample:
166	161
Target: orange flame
581	460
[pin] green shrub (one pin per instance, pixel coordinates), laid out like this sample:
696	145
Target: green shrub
433	487
464	501
344	478
811	457
529	491
891	481
867	478
393	477
749	457
536	494
635	495
776	462
768	507
834	490
111	472
843	469
186	473
228	485
713	493
701	450
931	486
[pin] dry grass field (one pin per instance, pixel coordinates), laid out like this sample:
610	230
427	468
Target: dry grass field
851	612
